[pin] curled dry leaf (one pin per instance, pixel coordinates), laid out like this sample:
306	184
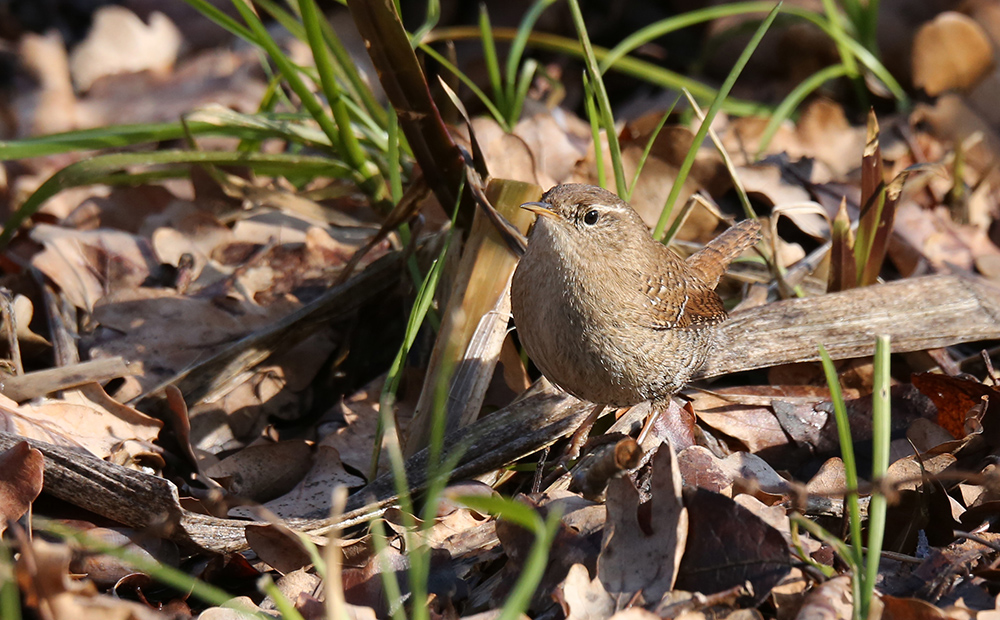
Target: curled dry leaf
297	586
89	265
832	599
53	107
362	580
753	424
640	555
699	467
577	539
106	570
830	480
278	547
24	310
21	469
311	497
167	331
263	472
354	440
556	141
240	607
85	417
958	400
119	42
950	52
44	576
507	155
583	598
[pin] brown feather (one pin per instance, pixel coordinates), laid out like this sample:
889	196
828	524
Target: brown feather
711	261
671	308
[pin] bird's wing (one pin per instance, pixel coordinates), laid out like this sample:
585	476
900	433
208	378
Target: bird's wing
674	302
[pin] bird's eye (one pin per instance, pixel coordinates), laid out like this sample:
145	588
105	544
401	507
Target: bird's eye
591	217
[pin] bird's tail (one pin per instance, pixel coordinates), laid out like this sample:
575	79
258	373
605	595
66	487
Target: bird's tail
711	261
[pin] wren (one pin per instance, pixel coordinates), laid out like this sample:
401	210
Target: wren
608	313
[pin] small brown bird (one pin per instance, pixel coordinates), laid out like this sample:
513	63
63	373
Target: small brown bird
608	313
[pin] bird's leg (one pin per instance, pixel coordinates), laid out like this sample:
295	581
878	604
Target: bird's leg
582	434
580	437
668	420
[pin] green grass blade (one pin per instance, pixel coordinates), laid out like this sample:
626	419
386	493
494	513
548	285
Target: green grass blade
431	19
881	436
292	128
393	593
493	110
520	40
601	95
361	92
534	569
288	21
110	137
96	169
868	60
268	102
713	109
344	66
365	172
671	24
521	91
491	60
741	191
421	307
641	69
162	573
438	473
595	131
617	55
395	171
846	452
854	10
226	22
791	102
370	178
823	535
836	25
284	606
534	566
10	598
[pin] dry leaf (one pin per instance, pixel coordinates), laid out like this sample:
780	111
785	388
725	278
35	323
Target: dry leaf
952	51
583	598
89	265
263	472
20	481
85	417
119	42
311	497
638	555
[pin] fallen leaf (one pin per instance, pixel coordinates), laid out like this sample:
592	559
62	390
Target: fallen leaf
727	546
119	42
263	472
952	51
311	497
832	599
583	598
89	265
21	469
85	417
640	555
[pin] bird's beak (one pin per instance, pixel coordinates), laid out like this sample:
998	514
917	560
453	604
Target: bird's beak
540	208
